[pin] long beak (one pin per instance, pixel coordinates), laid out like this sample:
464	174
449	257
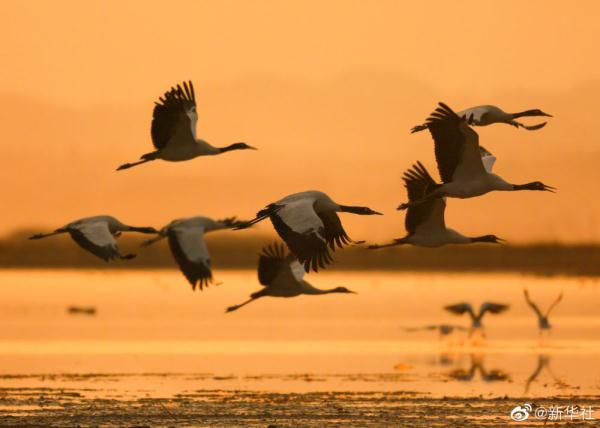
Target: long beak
500	241
546	114
252	148
352	292
550	189
376	213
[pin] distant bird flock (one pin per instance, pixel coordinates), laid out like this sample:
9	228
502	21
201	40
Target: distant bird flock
308	222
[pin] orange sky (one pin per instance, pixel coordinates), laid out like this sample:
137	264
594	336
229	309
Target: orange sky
326	90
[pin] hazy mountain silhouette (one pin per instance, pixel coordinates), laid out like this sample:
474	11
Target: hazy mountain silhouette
348	136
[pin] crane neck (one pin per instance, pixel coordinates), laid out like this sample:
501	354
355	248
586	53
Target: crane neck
524	114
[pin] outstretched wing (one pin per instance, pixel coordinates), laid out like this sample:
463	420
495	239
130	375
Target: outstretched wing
174	118
277	268
191	254
96	238
270	263
333	231
428	215
494	308
456	145
307	233
553	305
460	308
531	304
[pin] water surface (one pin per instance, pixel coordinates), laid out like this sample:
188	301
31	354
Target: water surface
153	335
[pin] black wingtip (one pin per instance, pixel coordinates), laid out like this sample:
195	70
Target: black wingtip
418	128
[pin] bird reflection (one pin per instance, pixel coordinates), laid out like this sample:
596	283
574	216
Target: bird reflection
544	365
477	365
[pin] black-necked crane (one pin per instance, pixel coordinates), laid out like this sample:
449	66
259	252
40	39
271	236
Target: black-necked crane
282	276
173	130
543	322
425	223
309	225
186	241
463	171
488	114
461	308
97	235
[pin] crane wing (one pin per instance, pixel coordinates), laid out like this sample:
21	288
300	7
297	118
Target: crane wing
278	269
487	158
174	118
428	215
270	262
553	305
96	238
297	269
494	308
191	254
305	232
460	308
456	145
531	304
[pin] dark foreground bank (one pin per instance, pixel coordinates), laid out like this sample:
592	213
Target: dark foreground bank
240	252
218	408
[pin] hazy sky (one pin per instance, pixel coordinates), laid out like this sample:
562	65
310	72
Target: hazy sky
120	51
326	89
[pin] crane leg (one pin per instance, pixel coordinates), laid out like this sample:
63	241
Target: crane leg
236	307
45	235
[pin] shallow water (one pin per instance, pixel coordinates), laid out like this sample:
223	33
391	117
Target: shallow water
152	336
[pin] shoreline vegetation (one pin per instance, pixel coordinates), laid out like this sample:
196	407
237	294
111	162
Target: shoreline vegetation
241	252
